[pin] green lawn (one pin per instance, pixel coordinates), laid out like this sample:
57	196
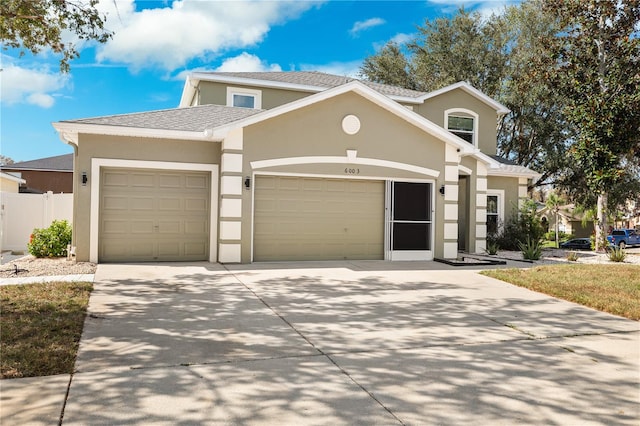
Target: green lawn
609	288
41	325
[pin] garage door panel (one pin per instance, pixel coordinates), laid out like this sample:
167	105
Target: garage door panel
318	219
152	215
142	204
144	180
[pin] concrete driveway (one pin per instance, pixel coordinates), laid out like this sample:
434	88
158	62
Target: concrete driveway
345	343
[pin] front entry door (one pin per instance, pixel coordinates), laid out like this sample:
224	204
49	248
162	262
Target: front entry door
410	228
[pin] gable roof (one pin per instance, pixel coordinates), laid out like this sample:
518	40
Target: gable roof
186	123
59	163
366	92
463	85
304	81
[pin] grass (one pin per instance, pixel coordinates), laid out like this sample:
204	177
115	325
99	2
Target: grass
610	288
41	326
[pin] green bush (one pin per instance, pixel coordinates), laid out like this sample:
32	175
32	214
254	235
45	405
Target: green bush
51	241
616	254
522	226
532	250
492	247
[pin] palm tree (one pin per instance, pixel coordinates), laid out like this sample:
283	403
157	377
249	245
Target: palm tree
553	203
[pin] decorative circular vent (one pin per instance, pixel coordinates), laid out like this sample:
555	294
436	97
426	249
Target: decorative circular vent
351	124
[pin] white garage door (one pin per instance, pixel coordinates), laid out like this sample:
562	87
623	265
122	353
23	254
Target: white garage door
299	218
153	215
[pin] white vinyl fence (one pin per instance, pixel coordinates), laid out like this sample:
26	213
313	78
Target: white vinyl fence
21	213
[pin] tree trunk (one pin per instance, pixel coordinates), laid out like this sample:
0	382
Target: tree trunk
601	222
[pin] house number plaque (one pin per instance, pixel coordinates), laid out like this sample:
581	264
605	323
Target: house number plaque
350	171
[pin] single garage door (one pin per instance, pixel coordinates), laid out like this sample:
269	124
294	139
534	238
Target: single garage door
299	218
153	215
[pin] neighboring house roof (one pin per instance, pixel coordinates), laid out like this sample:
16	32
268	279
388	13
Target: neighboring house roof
306	81
59	163
567	212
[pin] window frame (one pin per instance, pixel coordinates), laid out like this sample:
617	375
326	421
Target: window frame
255	94
499	193
463	113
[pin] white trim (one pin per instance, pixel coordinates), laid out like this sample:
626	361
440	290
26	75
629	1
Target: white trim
452	112
230	253
69	132
276	162
451	192
94	216
407	255
465	170
500	194
481	184
450	250
522	191
231	185
230	230
451	212
451	231
500	109
255	94
231	162
231	207
450	173
12	178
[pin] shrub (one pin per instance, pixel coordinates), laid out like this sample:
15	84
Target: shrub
572	256
492	247
616	254
532	250
51	241
522	226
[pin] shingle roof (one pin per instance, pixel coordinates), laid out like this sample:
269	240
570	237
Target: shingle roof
317	79
192	119
58	163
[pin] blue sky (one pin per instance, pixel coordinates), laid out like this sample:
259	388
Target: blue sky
157	43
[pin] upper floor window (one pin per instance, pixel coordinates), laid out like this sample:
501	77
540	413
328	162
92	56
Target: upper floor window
244	98
462	123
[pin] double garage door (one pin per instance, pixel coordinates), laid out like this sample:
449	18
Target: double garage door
299	218
153	215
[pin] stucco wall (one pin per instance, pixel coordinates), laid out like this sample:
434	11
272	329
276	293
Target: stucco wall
510	187
216	94
434	108
316	130
127	148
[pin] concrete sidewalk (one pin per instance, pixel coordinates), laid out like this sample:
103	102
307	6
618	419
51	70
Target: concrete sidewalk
339	343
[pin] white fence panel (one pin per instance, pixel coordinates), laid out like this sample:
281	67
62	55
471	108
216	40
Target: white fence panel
21	213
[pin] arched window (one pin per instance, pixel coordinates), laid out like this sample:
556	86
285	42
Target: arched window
462	123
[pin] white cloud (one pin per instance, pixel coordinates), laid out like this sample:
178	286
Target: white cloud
246	62
402	38
32	86
365	25
171	36
485	7
348	69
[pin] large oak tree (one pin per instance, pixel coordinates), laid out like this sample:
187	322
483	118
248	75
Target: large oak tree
35	25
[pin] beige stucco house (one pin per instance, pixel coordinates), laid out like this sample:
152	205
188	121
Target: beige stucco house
292	166
10	183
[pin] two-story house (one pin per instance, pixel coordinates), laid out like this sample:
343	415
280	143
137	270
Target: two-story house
272	166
